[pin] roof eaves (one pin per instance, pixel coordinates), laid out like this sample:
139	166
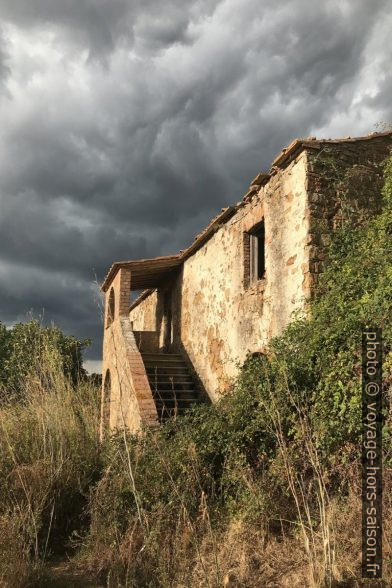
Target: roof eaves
137	262
216	223
297	145
286	156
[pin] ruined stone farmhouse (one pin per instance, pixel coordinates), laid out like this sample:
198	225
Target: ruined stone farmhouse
205	309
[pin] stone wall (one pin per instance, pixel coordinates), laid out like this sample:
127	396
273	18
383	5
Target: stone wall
126	396
210	311
344	182
217	318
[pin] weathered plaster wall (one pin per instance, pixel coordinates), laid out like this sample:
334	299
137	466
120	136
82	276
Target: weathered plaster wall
144	315
216	319
216	316
221	320
152	313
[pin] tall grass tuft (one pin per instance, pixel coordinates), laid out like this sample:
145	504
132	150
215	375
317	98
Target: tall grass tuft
49	457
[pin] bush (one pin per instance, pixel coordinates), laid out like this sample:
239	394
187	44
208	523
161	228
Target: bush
272	450
24	347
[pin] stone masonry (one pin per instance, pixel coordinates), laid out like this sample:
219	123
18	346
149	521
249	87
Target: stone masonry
240	281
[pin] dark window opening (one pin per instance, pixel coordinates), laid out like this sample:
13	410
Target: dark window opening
257	252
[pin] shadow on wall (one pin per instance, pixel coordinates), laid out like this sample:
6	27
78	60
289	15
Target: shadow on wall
168	318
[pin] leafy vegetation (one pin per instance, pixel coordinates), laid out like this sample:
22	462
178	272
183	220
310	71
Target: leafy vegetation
283	446
26	345
261	488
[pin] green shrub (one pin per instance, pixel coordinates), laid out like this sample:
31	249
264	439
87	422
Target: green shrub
22	350
291	420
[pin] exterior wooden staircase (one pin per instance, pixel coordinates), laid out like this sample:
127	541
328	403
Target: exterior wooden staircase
171	382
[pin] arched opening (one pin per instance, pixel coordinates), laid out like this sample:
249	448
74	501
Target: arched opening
107	388
111	308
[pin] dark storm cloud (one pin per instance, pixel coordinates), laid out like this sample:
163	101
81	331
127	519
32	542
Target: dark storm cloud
4	71
92	23
99	25
126	125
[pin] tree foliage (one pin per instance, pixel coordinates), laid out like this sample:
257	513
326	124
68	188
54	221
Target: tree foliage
23	347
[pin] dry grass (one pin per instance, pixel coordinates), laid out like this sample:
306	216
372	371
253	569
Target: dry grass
57	482
49	455
180	551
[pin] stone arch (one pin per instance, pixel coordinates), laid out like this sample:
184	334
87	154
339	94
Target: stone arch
111	308
106	397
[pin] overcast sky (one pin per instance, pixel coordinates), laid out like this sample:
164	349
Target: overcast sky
125	125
